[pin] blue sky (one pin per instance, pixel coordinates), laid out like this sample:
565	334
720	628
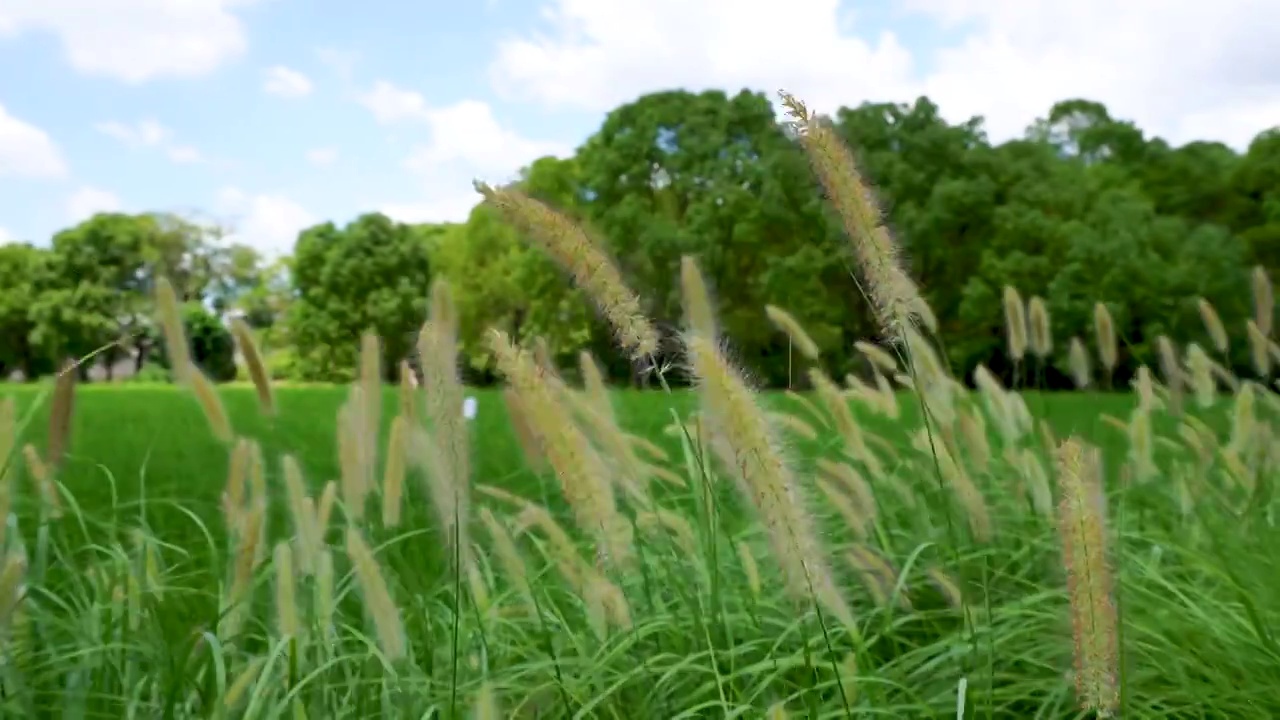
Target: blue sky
268	115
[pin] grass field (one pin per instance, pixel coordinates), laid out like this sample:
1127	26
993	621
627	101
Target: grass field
122	623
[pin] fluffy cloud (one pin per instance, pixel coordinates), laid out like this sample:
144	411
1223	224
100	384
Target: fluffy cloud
601	53
390	104
466	141
467	135
149	133
270	223
1180	68
443	207
27	151
135	40
88	201
285	82
322	156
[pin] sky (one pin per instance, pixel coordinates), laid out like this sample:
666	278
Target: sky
268	116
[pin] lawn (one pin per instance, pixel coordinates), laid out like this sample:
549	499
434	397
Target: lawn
126	624
153	441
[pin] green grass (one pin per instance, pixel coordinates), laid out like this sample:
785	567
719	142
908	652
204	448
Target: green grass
1199	595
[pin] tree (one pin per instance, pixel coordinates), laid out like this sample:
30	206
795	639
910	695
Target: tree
373	274
678	173
500	281
20	266
212	347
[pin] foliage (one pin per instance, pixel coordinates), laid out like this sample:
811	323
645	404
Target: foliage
1083	207
212	349
370	275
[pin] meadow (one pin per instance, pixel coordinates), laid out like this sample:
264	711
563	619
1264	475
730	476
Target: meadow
897	543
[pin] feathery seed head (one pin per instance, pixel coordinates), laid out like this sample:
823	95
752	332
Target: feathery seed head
1082	524
1078	361
1213	325
569	245
1041	331
894	296
1015	320
1105	332
787	323
1263	300
256	366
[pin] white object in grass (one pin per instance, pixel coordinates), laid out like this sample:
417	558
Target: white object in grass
469	408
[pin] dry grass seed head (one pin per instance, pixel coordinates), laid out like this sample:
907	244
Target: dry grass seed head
795	332
877	356
254	363
1015	320
568	244
394	473
210	403
175	335
1078	362
1213	325
60	413
743	441
583	478
1263	300
1082	524
1258	349
377	597
1105	332
894	296
1041	329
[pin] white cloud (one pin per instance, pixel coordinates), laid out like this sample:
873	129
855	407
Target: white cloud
145	133
6	237
601	53
136	40
285	82
184	154
89	201
465	142
1179	68
440	208
467	133
341	62
149	133
390	104
322	156
268	222
27	151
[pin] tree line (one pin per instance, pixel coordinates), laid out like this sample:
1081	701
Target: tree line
1083	208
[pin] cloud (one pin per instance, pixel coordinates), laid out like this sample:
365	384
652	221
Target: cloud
601	53
27	151
465	141
6	237
268	222
184	154
89	201
467	134
135	41
341	62
283	82
390	104
443	208
322	156
1184	69
150	133
1181	69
